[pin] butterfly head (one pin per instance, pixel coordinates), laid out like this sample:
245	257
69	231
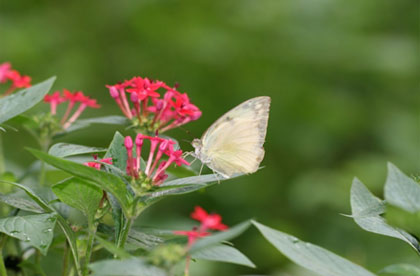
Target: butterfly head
197	144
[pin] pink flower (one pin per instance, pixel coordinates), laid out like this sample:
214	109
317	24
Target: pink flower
192	235
208	221
72	99
18	80
54	100
156	164
4	69
96	165
150	110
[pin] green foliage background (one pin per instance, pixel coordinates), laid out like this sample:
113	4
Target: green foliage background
343	77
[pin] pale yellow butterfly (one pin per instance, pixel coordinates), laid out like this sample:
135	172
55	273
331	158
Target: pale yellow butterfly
234	143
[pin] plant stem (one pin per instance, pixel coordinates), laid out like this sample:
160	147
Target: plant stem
44	146
124	233
2	165
91	238
65	259
3	239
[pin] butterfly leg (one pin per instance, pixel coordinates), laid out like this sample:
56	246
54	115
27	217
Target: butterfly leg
201	169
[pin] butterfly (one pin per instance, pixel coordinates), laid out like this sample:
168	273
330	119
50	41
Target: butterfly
234	143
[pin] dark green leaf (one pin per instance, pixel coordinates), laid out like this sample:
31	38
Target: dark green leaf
117	151
108	182
79	194
401	269
127	267
366	210
64	150
23	100
401	190
36	230
220	236
223	253
310	256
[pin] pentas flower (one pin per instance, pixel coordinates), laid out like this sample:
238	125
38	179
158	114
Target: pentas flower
72	98
148	108
95	164
208	221
18	80
154	170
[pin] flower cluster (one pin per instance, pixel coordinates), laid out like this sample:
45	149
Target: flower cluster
18	80
72	98
148	109
207	221
154	170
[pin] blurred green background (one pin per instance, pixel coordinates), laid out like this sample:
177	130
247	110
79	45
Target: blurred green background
343	77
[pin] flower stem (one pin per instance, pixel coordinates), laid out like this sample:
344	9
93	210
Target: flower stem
124	233
66	259
91	238
3	239
2	164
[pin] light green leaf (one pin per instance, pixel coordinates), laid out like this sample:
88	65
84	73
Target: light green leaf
108	120
183	186
127	267
401	190
366	210
223	253
112	248
64	150
199	179
20	203
23	100
401	269
108	182
36	230
79	194
220	236
310	256
68	232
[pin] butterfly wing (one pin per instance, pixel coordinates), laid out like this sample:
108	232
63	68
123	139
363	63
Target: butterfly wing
234	143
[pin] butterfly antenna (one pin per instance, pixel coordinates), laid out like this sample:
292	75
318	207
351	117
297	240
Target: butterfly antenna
186	131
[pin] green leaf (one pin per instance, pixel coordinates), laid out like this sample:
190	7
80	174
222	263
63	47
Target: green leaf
64	150
310	256
108	120
23	100
127	267
223	253
68	232
20	203
199	179
402	269
402	219
143	240
401	190
366	210
117	151
183	186
111	247
220	236
108	182
36	230
79	194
